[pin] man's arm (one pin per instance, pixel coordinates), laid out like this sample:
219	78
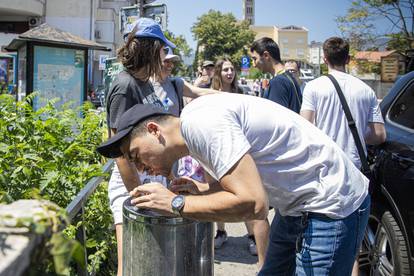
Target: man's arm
128	171
202	81
192	91
376	134
308	115
242	197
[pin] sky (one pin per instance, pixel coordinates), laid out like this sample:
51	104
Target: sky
318	16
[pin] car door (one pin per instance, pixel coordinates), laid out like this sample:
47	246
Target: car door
397	160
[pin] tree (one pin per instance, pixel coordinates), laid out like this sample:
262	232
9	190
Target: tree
182	50
358	24
221	35
255	74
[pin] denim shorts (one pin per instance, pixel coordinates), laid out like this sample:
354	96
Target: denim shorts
315	244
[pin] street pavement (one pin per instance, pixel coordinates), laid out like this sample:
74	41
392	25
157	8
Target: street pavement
234	258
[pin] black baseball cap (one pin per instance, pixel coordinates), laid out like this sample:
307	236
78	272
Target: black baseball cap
139	112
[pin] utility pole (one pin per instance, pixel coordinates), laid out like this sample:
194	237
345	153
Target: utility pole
319	60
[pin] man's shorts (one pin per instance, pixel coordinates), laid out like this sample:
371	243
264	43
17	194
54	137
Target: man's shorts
118	193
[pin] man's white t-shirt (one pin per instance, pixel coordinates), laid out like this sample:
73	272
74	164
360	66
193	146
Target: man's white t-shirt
302	169
321	97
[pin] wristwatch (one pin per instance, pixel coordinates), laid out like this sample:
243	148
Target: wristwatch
177	204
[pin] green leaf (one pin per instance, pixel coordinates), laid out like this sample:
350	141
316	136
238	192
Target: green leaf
47	179
90	243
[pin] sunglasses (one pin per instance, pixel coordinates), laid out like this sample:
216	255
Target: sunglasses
166	50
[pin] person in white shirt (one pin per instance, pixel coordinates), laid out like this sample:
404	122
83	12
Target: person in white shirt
321	105
258	153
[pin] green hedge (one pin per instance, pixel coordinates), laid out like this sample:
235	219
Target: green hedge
50	154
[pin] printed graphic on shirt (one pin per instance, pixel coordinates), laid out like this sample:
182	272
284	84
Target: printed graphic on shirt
187	166
154	100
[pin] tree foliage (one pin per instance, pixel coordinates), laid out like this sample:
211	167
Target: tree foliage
358	24
221	35
182	50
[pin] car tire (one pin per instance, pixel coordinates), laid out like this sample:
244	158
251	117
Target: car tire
384	249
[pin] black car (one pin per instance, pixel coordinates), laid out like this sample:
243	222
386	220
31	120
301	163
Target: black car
388	247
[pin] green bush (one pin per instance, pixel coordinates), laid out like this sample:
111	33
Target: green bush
50	153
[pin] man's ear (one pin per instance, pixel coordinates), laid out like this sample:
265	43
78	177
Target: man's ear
266	55
153	128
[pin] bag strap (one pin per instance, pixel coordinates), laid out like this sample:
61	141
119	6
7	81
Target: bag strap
351	124
179	96
294	86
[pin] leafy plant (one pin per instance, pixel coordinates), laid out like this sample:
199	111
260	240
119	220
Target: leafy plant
50	154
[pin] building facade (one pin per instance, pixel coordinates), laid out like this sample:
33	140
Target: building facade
292	40
316	53
96	20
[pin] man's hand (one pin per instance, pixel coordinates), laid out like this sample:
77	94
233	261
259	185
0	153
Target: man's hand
153	196
189	185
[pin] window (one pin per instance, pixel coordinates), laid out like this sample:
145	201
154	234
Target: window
285	40
285	52
299	41
300	53
402	111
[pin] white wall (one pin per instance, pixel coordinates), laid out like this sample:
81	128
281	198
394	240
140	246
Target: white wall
5	39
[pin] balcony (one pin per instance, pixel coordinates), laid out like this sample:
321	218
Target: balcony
21	8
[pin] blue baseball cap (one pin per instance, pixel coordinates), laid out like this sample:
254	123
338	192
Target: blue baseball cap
148	28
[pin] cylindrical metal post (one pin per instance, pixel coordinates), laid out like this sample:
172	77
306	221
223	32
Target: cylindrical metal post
158	245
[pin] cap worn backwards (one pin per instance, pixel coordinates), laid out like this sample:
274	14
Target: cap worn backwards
112	147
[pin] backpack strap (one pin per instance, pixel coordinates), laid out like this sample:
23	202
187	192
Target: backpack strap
294	86
179	94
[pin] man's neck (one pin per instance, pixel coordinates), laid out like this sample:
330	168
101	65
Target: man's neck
278	67
340	68
181	148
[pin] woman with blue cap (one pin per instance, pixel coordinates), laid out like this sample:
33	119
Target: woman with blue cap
141	56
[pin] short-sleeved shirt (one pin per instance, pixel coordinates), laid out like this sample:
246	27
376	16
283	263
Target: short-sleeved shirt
125	92
302	169
169	96
321	97
284	90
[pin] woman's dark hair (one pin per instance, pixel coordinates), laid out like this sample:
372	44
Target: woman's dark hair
217	82
141	53
336	51
266	44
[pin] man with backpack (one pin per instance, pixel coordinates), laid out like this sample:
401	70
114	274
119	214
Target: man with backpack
283	88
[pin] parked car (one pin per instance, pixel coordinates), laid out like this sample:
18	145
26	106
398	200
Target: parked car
306	75
99	99
388	246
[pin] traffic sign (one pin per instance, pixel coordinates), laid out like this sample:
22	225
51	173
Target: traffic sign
158	12
245	62
102	60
